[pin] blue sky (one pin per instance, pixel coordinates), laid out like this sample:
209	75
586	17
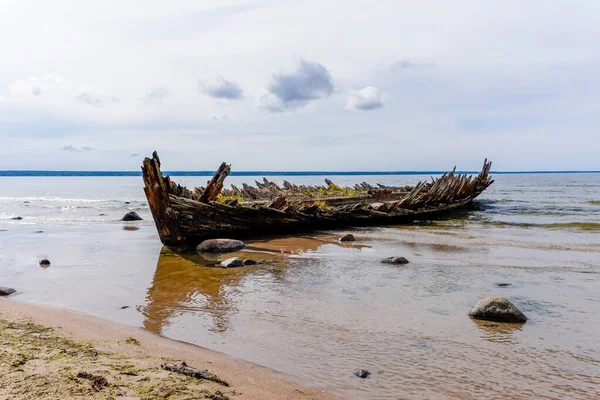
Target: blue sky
300	85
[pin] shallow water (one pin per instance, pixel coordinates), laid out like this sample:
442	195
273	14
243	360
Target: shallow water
326	310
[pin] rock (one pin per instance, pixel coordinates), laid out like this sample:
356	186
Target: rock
5	291
348	238
220	246
497	309
131	216
44	263
232	263
503	284
362	373
124	307
249	262
127	202
395	260
39	231
17	218
25	202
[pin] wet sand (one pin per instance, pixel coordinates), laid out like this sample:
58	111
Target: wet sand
43	350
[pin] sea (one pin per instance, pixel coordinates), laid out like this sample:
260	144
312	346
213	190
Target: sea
320	310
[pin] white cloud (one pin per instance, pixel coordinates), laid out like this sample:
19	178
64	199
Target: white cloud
368	98
156	95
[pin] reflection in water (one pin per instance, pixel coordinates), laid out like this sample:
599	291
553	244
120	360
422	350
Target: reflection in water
498	332
188	282
191	282
131	228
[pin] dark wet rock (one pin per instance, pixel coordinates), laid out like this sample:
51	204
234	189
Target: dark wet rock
362	373
124	307
39	231
101	215
220	246
17	218
249	262
232	263
497	309
45	262
6	291
348	238
503	284
127	202
395	260
25	202
131	216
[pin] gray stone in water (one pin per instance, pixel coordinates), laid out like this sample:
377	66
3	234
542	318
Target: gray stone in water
131	216
348	238
362	373
45	262
5	291
497	309
249	262
503	284
232	263
395	260
17	218
220	246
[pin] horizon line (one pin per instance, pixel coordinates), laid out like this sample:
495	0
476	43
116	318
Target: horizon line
100	173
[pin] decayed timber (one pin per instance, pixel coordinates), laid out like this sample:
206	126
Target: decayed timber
185	217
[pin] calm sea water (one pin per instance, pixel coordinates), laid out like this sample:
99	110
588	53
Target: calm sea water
326	310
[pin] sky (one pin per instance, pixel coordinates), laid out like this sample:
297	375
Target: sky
300	85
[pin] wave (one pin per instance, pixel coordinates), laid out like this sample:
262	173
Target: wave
586	226
57	199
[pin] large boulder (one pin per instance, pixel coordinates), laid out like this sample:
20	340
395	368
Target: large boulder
131	216
220	246
5	291
497	309
395	260
232	263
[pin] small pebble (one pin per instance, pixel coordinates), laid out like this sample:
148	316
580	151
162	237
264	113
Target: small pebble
45	263
395	260
362	373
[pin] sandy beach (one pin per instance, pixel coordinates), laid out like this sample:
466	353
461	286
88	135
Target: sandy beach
44	350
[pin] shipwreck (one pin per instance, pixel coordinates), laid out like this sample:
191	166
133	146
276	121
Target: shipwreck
186	217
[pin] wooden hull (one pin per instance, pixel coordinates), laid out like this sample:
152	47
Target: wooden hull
184	218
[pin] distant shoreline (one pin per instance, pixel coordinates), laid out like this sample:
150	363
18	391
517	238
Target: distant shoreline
36	173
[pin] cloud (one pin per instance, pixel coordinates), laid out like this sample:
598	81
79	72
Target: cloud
406	64
134	154
41	86
310	81
93	97
71	148
55	89
158	94
220	88
87	148
368	98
